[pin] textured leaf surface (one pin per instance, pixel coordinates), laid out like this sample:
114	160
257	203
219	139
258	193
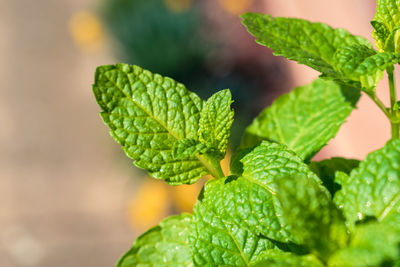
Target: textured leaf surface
148	114
372	189
381	34
386	22
247	203
277	258
372	245
334	52
305	119
163	245
311	214
270	160
233	212
326	169
216	120
221	240
190	147
312	44
250	199
362	64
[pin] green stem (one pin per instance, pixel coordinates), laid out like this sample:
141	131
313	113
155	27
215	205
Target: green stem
393	98
218	168
392	87
395	130
379	103
213	166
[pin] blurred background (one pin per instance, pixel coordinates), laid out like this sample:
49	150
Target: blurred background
68	195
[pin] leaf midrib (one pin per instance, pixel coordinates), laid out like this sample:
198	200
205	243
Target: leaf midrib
254	181
392	203
203	160
237	245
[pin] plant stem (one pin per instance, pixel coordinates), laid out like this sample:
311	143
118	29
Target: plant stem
395	130
219	170
379	103
392	87
213	166
393	98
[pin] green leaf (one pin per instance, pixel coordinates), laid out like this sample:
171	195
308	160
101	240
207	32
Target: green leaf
216	120
386	22
190	147
233	213
334	52
163	245
270	160
372	189
277	258
381	35
393	219
372	244
148	115
305	119
312	44
221	240
362	64
326	169
311	215
253	194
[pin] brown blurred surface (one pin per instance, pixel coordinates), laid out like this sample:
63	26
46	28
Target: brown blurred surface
63	186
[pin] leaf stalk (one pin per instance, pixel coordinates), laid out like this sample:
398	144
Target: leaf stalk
393	112
213	166
380	104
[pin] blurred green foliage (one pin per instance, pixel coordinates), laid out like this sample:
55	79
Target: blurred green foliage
179	44
156	37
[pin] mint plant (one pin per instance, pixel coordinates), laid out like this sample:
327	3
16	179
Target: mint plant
275	207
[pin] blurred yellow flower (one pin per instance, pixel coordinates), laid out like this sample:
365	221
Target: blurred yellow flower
178	5
235	7
86	30
149	205
185	196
